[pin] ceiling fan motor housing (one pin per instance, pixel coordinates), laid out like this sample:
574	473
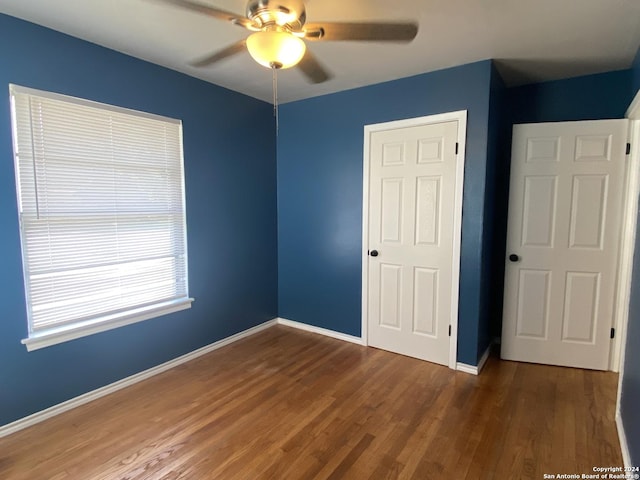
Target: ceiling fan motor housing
289	14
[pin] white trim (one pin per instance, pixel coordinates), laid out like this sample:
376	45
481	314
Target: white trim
461	117
484	358
125	382
364	297
321	331
624	446
82	329
622	317
457	236
472	369
627	243
466	368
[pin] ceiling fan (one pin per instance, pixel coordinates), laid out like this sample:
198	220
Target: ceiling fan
280	29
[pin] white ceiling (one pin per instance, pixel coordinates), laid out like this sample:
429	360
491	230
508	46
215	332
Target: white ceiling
533	40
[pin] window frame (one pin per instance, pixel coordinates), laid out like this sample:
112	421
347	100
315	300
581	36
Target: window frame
73	329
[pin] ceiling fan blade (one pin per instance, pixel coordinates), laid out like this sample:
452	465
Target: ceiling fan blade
312	69
220	54
213	12
368	32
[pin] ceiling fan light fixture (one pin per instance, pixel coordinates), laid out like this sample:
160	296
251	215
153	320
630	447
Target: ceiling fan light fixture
277	49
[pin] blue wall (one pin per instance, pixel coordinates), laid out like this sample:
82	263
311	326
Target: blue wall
231	213
320	149
495	230
631	382
590	97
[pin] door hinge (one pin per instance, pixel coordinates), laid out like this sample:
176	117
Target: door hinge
449	330
457	148
613	333
628	148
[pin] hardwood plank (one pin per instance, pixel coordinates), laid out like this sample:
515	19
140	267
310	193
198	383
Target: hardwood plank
290	404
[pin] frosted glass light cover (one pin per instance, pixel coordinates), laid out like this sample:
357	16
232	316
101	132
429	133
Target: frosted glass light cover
281	49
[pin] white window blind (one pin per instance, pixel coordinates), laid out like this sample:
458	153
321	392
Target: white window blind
102	214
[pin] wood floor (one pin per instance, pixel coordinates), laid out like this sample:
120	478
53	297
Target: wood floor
285	404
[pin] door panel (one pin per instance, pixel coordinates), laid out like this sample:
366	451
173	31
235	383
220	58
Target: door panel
539	211
412	188
390	295
582	294
533	303
564	225
425	301
427	210
542	149
391	224
588	211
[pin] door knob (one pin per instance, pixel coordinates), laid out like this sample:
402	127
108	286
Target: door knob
374	253
513	257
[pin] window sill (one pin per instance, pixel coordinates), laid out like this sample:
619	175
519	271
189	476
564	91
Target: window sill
71	332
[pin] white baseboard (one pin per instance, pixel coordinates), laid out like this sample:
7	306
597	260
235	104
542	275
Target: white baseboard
322	331
472	369
626	457
484	358
466	368
125	382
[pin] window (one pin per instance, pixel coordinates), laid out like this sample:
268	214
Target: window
102	215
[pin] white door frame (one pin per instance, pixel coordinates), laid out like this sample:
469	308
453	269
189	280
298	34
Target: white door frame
626	263
627	236
461	117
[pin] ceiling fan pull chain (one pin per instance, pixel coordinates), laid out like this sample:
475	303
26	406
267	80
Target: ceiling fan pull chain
275	94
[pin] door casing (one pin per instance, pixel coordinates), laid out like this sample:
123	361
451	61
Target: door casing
628	236
628	249
461	117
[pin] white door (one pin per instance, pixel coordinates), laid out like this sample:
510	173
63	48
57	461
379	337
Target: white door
565	205
412	240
